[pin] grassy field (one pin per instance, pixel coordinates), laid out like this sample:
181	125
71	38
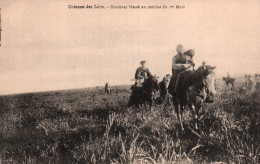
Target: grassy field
87	126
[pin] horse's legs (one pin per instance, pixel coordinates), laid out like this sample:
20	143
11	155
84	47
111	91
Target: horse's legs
233	86
194	112
133	101
179	114
150	102
226	86
197	109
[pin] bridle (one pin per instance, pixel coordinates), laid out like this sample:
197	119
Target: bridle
202	76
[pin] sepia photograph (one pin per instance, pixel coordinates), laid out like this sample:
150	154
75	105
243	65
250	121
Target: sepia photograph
130	82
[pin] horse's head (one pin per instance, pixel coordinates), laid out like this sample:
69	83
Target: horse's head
209	80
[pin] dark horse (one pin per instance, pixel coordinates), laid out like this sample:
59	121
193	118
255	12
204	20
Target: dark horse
228	81
144	94
191	90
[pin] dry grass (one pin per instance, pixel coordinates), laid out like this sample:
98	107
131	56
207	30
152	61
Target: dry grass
86	126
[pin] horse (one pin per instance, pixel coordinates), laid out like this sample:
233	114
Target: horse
144	94
228	81
192	88
108	89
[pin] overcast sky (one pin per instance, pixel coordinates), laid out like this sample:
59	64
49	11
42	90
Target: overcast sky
46	46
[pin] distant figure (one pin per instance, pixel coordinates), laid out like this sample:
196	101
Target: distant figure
250	84
245	82
249	79
228	75
228	80
256	78
164	87
108	88
243	87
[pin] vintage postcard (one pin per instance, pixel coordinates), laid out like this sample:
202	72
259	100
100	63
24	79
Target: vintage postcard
129	81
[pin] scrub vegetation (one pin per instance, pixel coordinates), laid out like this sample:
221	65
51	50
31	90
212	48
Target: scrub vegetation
88	126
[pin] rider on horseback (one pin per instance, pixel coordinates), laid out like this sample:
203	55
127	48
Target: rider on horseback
144	88
180	63
141	74
189	66
228	76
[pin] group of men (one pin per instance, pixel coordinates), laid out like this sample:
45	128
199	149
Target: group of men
250	82
249	78
181	62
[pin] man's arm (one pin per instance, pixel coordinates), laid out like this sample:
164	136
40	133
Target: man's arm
174	60
138	74
176	66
